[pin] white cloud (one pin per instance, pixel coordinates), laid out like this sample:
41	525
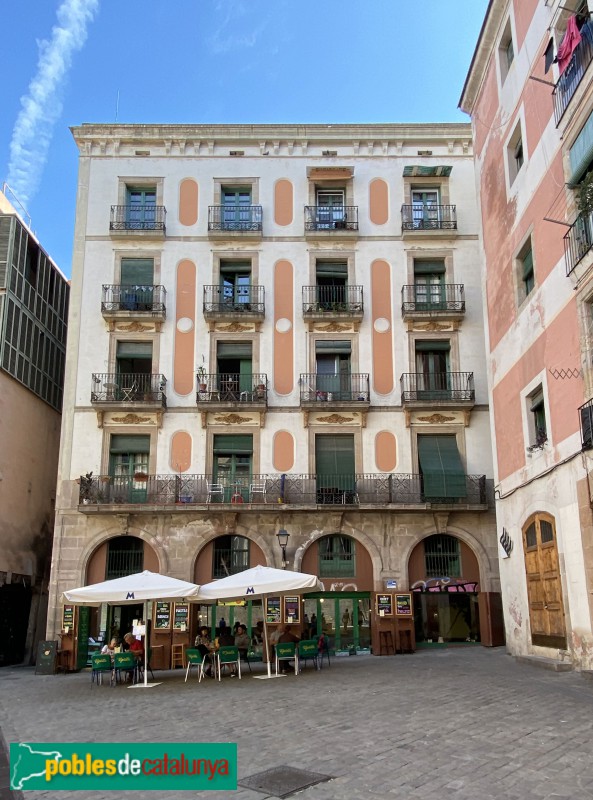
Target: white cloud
224	38
41	106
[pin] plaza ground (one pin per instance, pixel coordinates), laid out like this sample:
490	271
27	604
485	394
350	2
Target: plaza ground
462	722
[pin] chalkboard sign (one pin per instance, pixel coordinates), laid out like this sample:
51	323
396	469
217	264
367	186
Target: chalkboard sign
162	615
68	619
273	610
292	610
181	619
385	605
47	653
403	605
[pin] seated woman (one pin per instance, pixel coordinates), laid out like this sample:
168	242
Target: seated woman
204	644
242	641
109	649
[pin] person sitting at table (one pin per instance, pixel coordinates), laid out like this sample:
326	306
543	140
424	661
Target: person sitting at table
242	641
226	639
287	637
109	649
134	645
204	644
257	634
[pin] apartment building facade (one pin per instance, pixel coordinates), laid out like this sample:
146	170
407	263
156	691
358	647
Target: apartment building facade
33	317
278	328
530	95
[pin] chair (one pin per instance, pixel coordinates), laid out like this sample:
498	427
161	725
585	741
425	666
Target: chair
100	664
124	662
323	650
129	392
214	489
257	488
308	651
177	656
286	651
228	654
194	659
386	643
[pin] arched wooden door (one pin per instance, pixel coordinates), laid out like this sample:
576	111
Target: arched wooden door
544	585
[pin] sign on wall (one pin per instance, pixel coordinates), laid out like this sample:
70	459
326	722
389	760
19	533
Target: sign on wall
385	605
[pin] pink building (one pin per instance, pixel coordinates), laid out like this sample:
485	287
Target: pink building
529	92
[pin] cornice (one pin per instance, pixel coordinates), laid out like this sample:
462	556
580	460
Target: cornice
486	41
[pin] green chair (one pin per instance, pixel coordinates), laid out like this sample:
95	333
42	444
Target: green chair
194	659
124	662
308	651
285	651
101	663
228	654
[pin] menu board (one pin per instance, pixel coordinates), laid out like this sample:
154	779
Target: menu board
162	615
181	618
385	605
68	619
273	610
403	605
292	610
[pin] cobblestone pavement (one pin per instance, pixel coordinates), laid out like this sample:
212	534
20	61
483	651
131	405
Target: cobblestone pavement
461	723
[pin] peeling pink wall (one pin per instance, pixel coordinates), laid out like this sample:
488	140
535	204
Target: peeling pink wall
523	11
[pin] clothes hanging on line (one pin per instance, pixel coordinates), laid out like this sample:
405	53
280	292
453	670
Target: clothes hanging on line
569	42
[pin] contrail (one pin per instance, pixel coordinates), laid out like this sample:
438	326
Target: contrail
41	106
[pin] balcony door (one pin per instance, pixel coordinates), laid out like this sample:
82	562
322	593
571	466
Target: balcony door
232	465
128	464
235	285
137	284
425	208
134	370
331	281
335	468
236	209
429	285
333	367
331	211
140	208
234	363
432	370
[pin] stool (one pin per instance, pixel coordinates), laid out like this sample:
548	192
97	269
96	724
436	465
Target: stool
386	643
177	656
405	641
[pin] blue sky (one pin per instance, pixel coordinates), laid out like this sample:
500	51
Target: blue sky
213	61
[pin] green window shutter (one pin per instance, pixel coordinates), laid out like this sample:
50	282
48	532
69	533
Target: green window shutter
528	264
330	346
429	267
432	346
233	444
137	271
134	349
442	470
129	444
581	153
240	350
243	267
329	269
334	455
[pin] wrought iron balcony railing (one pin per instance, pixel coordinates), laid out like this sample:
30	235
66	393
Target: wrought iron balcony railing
331	218
232	387
328	300
235	218
357	489
433	298
128	387
334	388
145	298
243	300
570	79
586	420
578	240
429	217
437	386
137	218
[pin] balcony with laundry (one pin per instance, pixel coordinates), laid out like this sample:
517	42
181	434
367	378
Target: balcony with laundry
573	57
133	301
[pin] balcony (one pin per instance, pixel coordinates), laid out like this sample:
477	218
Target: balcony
426	390
331	222
185	492
146	221
323	303
428	220
247	304
572	76
578	240
433	301
132	302
222	391
128	390
347	391
235	222
586	420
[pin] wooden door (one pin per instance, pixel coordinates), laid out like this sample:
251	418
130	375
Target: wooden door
544	586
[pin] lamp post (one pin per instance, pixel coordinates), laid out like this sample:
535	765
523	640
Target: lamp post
282	537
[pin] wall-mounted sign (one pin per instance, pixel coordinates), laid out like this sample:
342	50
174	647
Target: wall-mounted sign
292	610
181	618
162	615
403	605
391	583
273	610
385	605
67	619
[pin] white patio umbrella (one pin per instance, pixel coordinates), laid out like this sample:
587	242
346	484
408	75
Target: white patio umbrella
132	589
259	582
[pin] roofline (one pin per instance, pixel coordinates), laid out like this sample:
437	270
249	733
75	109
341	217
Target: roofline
490	25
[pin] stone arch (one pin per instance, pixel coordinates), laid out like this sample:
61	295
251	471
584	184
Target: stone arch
261	541
112	532
359	536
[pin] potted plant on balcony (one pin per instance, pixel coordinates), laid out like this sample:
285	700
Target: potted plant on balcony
140	477
584	195
260	391
201	376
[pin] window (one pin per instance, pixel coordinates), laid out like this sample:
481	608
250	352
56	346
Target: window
331	208
538	427
125	556
433	376
128	466
235	284
334	468
333	379
441	469
232	465
140	208
237	209
230	556
429	285
234	362
515	153
426	208
506	51
442	557
525	272
137	284
336	557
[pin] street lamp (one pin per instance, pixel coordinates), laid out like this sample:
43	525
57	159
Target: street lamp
282	537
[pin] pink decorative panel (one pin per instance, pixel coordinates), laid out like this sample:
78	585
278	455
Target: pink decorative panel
283	451
283	202
185	332
283	327
385	451
382	327
188	202
379	201
180	452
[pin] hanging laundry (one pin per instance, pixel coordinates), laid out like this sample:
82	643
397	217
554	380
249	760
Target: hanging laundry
571	39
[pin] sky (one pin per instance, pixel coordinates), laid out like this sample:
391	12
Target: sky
66	62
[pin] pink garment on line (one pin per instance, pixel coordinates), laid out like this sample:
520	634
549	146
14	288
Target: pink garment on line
568	44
